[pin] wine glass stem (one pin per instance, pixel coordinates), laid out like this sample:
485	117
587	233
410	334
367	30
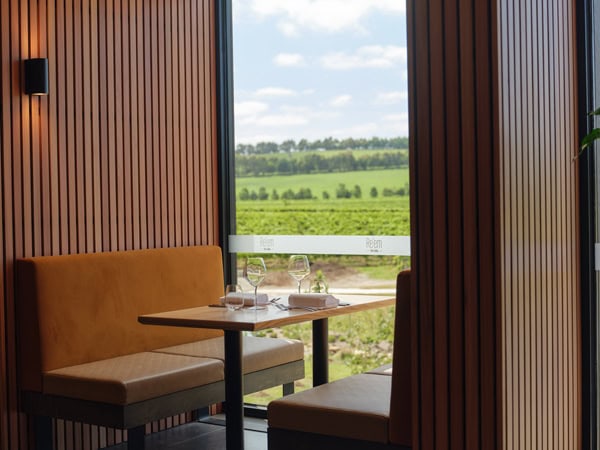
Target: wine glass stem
255	296
299	283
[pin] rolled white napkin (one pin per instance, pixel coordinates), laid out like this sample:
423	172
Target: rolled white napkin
261	299
313	300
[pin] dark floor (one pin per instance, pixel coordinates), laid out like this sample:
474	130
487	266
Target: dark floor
205	435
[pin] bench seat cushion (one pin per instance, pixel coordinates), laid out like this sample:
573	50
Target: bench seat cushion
132	378
356	407
382	370
259	353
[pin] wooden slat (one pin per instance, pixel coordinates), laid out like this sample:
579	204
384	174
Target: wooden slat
187	132
177	48
456	336
36	141
439	217
134	72
5	228
117	117
139	14
127	123
198	135
205	105
78	101
212	175
92	166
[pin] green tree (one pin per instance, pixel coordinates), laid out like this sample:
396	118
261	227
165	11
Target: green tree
303	145
356	192
287	146
262	193
274	195
325	195
288	195
342	191
244	194
374	192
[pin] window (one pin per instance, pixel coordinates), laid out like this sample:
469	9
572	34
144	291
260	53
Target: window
318	164
321	146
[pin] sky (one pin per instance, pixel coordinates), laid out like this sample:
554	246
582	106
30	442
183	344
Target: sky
319	68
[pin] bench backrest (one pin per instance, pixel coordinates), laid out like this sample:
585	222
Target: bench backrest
400	401
74	309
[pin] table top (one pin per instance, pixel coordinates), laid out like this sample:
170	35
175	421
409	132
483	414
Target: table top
253	320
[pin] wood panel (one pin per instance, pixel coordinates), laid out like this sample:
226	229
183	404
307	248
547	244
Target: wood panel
120	155
494	224
541	316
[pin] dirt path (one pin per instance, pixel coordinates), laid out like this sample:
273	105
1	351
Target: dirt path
337	276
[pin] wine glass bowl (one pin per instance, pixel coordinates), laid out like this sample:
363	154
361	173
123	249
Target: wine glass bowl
255	272
298	268
234	297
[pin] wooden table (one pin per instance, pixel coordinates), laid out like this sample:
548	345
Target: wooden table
234	322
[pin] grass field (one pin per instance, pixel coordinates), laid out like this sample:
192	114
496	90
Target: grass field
366	179
357	342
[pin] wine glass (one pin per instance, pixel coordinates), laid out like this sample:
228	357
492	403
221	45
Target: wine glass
298	268
255	271
234	297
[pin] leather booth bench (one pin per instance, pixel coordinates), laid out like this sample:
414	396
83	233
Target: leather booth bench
370	411
84	356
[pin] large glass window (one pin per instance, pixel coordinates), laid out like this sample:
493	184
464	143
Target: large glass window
320	158
321	138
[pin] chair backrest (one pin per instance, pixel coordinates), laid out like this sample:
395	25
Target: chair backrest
74	309
400	401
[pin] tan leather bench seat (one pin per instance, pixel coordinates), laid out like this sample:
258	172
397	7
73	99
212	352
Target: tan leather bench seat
357	407
386	369
259	353
132	378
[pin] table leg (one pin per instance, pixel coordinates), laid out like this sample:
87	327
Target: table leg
234	390
320	330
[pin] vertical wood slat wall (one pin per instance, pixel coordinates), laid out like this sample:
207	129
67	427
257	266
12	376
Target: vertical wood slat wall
494	214
120	155
538	220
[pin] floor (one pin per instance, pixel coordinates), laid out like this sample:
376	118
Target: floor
208	434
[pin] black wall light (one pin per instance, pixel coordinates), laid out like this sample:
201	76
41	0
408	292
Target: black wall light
36	76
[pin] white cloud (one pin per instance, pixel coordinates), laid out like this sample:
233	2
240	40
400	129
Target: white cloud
399	122
289	60
288	29
390	98
341	100
396	117
249	108
323	15
273	91
362	130
369	56
281	120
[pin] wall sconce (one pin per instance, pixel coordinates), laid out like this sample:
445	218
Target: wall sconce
36	76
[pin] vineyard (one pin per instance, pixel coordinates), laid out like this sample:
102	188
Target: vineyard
342	217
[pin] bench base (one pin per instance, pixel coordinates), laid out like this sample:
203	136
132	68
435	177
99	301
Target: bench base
280	439
138	414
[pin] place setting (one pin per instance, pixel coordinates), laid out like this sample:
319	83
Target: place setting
315	298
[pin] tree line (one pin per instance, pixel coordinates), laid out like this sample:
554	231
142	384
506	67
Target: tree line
341	192
261	165
330	143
